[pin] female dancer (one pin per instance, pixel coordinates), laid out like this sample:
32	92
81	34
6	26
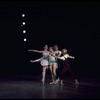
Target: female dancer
44	60
57	53
66	66
53	65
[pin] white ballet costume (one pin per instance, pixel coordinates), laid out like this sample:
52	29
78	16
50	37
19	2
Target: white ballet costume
45	58
44	63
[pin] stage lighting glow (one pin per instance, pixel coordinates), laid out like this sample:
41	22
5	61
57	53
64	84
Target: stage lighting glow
25	39
24	31
23	15
23	23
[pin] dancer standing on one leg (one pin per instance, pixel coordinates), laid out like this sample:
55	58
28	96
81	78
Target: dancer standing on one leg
53	65
58	54
44	60
66	66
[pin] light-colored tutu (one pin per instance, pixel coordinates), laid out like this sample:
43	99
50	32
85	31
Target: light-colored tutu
44	60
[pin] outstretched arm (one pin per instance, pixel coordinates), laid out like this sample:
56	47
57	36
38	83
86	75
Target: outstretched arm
63	58
54	55
71	57
35	51
37	60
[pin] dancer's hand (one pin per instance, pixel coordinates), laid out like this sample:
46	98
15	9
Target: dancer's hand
35	60
73	57
32	61
30	50
52	54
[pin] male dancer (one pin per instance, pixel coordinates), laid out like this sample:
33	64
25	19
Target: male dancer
66	66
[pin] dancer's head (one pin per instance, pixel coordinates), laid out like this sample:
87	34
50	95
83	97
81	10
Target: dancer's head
56	47
64	51
45	47
51	49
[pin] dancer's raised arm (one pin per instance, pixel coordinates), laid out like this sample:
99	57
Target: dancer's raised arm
36	51
72	57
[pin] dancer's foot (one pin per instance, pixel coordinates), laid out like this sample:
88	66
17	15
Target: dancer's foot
61	82
52	83
76	82
43	81
58	80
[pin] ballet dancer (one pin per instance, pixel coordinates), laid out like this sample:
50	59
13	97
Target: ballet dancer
52	65
58	54
66	66
43	61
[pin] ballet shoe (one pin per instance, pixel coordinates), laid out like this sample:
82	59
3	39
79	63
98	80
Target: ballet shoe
42	81
76	82
52	83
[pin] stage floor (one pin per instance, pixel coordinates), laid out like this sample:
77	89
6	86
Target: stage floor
30	87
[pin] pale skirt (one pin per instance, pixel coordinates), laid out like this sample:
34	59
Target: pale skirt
44	62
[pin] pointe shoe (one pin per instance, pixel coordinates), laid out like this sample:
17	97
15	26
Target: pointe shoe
52	83
43	81
76	82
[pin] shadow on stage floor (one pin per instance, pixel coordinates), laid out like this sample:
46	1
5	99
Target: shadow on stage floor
27	87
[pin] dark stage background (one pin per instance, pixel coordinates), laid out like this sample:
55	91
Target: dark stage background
71	25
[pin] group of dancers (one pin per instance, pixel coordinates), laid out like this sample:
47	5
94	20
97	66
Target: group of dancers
56	61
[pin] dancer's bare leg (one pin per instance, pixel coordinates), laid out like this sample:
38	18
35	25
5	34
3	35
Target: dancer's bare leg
52	74
43	74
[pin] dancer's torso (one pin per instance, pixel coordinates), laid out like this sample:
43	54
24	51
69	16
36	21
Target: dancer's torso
46	55
57	52
52	58
65	62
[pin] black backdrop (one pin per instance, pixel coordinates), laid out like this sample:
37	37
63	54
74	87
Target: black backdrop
71	25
